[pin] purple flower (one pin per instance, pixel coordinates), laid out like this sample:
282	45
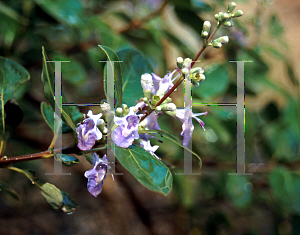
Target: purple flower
127	129
88	132
162	85
96	175
185	116
150	123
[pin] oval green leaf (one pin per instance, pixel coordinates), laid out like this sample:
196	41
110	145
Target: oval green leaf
133	66
148	170
12	76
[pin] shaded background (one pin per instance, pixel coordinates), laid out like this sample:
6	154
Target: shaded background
214	203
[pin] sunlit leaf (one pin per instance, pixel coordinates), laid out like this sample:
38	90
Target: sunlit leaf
148	170
48	82
111	55
175	140
67	11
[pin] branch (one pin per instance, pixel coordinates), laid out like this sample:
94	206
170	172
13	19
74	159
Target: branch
181	78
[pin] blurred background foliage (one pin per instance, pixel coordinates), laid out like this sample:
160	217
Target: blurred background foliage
214	203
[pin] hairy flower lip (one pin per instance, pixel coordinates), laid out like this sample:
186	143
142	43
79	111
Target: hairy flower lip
88	132
96	175
127	130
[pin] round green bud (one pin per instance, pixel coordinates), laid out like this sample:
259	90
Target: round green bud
216	16
237	14
168	107
204	34
221	16
228	24
216	44
158	108
119	112
231	7
185	71
226	16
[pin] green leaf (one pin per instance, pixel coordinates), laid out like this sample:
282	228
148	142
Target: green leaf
190	18
174	140
68	160
77	118
67	11
69	204
48	115
112	56
48	82
147	169
10	24
285	189
7	189
57	199
216	82
133	66
12	76
52	195
73	72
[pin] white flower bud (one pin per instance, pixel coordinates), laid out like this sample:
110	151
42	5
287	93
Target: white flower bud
204	34
158	108
146	81
216	16
105	107
202	77
119	112
197	70
207	25
223	40
187	62
179	62
185	71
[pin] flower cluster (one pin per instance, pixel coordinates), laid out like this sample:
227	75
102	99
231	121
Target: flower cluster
132	125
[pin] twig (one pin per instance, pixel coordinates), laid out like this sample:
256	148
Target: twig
181	78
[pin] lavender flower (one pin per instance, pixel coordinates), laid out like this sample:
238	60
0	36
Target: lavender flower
162	85
185	116
150	123
96	175
88	132
127	129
